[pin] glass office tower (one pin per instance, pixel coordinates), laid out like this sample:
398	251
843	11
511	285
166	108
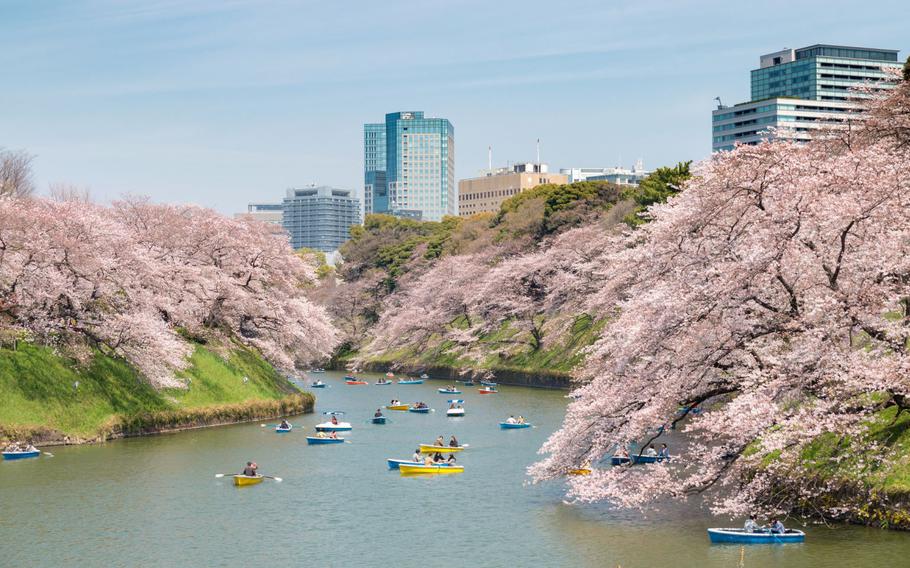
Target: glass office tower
417	179
796	93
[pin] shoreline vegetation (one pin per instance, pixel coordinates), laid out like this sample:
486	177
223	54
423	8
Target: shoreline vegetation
54	400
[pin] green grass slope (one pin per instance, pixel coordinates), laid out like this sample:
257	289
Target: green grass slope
38	391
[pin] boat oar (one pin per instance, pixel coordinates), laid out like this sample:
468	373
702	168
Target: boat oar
219	475
48	454
278	479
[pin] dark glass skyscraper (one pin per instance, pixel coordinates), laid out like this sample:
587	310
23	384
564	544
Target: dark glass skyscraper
409	166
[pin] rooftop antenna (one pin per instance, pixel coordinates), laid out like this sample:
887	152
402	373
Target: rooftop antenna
490	158
720	104
538	152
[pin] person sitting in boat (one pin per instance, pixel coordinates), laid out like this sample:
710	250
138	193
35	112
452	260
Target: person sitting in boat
320	434
416	457
440	441
521	419
651	452
510	420
777	527
751	526
453	442
451	459
437	458
378	413
452	406
428	460
621	453
334	420
394	402
664	453
333	435
284	425
250	469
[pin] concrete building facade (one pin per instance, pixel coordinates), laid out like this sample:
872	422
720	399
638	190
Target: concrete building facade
618	175
486	193
271	213
320	217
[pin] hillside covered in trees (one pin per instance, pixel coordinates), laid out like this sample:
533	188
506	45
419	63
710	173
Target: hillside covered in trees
769	292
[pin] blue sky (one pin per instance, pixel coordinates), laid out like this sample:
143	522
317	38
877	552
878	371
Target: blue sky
225	102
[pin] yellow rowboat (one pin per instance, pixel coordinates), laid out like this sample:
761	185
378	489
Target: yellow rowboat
430	469
244	480
397	406
431	449
580	471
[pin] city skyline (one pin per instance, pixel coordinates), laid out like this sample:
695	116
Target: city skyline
226	103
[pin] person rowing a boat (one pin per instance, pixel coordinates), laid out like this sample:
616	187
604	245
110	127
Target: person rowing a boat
437	458
651	452
416	457
521	419
334	420
664	453
453	442
333	435
777	527
378	413
751	526
511	420
285	425
451	460
250	469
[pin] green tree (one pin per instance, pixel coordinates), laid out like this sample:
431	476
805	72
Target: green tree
657	188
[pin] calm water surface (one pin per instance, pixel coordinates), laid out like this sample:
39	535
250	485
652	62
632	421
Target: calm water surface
155	501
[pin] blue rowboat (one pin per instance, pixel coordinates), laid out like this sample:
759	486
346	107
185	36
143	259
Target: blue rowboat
647	459
21	455
317	385
423	410
513	426
739	536
447	391
410	382
619	460
281	430
315	440
379	420
488	383
381	383
393	464
469	383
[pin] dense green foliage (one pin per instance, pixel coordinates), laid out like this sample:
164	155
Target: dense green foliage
580	196
39	388
662	184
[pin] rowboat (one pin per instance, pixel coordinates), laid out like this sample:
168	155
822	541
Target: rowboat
469	383
424	376
514	425
488	383
488	390
394	464
619	460
410	381
244	480
428	469
740	536
317	370
447	391
580	471
317	385
350	378
347	382
21	455
421	410
379	420
281	430
382	382
316	440
329	427
455	412
433	449
397	406
647	459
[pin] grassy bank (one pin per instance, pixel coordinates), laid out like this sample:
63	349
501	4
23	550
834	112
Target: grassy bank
53	399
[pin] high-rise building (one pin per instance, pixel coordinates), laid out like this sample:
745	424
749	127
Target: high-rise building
618	175
320	217
409	166
270	213
487	191
795	92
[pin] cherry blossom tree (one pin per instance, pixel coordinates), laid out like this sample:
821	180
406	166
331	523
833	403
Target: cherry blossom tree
126	279
773	294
